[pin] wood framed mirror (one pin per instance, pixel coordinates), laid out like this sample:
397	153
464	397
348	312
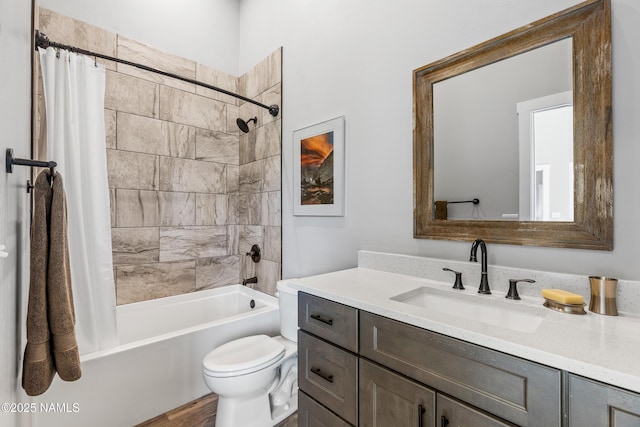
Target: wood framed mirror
586	30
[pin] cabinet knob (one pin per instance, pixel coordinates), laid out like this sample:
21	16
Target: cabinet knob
444	421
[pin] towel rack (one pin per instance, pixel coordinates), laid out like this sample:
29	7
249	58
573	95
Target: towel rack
10	161
474	201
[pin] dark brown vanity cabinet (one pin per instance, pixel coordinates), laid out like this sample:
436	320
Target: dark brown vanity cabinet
595	404
369	370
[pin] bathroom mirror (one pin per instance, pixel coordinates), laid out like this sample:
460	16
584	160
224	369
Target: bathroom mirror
564	77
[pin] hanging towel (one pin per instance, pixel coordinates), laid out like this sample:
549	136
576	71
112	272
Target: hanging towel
51	341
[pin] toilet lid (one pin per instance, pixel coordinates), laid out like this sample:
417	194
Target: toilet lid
243	356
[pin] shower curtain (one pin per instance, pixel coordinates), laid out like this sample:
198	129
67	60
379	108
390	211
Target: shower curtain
74	97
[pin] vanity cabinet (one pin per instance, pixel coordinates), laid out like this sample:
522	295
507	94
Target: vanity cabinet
516	390
597	404
369	370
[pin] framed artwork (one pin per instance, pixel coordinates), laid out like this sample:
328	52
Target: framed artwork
318	176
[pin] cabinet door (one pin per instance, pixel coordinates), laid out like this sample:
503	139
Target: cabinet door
313	414
595	404
453	413
387	399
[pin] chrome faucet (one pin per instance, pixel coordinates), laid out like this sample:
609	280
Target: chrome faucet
484	282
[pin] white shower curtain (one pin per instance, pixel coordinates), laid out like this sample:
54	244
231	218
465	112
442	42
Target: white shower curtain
74	96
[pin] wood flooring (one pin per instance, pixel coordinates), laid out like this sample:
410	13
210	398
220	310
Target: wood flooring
199	413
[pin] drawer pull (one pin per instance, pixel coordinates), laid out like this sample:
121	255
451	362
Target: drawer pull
444	421
322	375
319	318
421	412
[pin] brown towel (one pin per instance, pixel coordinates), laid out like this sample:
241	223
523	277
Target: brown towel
441	209
51	341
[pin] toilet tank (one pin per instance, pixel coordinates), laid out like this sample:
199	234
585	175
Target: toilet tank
288	302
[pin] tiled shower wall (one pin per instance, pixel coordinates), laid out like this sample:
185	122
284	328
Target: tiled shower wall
190	193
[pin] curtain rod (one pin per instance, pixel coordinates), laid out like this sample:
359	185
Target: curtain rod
43	41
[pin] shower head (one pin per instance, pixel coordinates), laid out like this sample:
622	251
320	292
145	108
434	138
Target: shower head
244	126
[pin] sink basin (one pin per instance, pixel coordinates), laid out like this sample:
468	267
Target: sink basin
490	310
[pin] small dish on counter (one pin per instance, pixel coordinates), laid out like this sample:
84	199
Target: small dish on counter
564	308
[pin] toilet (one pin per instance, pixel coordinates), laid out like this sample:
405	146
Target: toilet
256	377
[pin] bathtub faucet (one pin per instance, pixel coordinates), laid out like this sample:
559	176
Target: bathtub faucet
253	279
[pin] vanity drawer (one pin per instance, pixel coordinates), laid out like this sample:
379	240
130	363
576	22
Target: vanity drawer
330	320
313	414
329	375
516	390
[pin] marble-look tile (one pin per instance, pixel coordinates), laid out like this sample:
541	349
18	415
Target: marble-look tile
211	209
271	96
217	147
233	178
176	209
110	128
136	208
267	142
218	79
191	176
249	235
131	95
113	206
135	245
181	243
233	239
152	136
232	209
149	281
268	273
135	51
63	29
272	239
251	177
191	109
247	147
250	208
126	169
232	115
271	177
218	271
263	75
271	209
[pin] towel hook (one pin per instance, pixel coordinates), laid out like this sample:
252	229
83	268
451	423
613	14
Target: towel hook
10	161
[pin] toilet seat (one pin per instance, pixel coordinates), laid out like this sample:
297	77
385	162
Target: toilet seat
243	356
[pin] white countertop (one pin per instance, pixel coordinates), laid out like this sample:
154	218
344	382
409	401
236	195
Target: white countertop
604	348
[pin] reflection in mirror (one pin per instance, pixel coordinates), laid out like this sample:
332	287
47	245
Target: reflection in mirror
490	138
477	126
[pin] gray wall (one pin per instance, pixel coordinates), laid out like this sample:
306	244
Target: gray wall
15	113
356	59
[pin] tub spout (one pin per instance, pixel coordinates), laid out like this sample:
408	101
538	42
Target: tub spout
253	279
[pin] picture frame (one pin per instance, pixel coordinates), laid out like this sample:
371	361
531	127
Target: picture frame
318	175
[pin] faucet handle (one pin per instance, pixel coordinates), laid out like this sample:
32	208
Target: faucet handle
458	284
513	288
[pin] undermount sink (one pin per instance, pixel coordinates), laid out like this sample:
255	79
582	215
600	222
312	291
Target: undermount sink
489	310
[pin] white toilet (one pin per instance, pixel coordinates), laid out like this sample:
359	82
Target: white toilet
256	377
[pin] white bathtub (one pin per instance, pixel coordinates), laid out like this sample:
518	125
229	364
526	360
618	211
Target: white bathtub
158	364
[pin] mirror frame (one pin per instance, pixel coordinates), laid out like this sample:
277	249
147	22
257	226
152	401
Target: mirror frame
589	24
